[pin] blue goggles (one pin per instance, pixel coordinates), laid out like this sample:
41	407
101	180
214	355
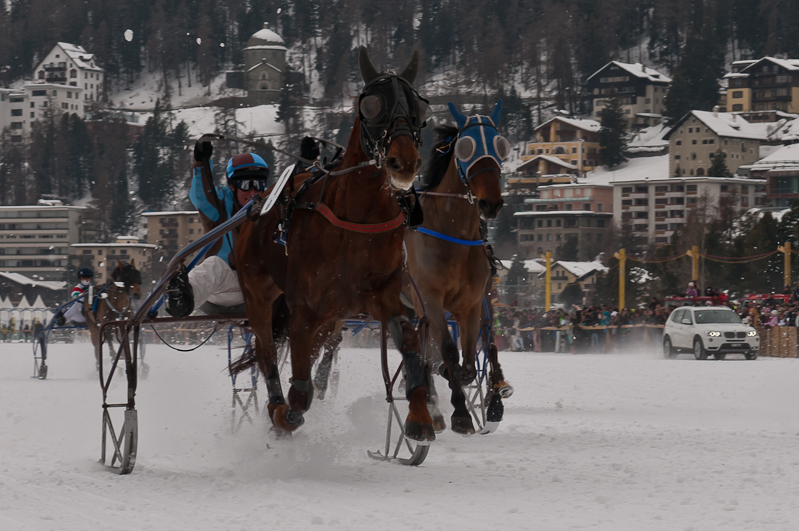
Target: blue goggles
478	139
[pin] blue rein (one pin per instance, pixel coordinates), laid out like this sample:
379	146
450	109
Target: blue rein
471	243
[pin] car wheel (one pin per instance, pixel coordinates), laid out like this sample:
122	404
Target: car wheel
719	355
699	351
751	355
668	350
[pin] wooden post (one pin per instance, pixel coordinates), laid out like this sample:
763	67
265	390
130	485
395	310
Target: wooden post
548	283
622	257
786	249
695	263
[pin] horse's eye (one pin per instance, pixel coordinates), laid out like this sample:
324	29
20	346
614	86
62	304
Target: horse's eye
464	148
371	107
501	147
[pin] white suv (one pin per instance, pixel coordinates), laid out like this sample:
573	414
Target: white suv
707	330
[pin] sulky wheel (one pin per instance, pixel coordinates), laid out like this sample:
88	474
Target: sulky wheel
398	447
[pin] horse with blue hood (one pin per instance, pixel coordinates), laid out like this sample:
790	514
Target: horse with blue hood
448	255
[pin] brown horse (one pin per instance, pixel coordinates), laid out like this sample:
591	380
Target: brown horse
343	253
446	255
113	302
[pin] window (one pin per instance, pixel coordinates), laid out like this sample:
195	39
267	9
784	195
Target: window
641	189
567	206
626	202
600	207
549	237
737	107
586	206
16	112
642	215
693	141
549	223
627	190
600	223
16	125
661	201
37	93
557	222
662	188
692	188
641	202
737	94
540	223
662	226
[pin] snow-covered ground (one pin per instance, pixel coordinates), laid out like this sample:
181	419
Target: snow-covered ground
610	442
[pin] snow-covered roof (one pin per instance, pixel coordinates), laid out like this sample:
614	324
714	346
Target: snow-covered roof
534	266
638	70
649	139
534	213
788	131
586	125
776	212
170	213
257	65
118	244
636	168
788	64
785	158
548	158
266	35
25	281
581	269
727	124
80	56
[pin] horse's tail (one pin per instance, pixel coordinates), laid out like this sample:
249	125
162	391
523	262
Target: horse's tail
280	332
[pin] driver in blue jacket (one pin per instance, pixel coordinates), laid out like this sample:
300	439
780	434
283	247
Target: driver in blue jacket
215	279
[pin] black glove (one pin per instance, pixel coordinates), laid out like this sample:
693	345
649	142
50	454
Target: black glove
203	151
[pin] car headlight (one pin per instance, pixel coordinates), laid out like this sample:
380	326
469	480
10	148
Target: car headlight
714	334
752	333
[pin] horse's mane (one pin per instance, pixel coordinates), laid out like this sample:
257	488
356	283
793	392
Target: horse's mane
440	157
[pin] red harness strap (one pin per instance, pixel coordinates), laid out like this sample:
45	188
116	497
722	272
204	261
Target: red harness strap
366	228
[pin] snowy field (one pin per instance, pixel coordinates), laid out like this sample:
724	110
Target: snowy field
612	442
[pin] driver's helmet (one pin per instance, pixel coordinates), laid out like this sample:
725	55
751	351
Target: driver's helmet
85	272
246	171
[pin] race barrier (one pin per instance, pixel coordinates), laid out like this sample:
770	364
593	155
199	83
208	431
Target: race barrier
777	342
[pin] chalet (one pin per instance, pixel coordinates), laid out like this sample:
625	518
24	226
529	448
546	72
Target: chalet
640	89
573	141
765	84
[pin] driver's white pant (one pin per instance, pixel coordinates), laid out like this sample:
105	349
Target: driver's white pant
214	281
74	313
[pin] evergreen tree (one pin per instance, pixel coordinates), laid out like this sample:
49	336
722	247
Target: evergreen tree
569	250
718	168
517	279
612	136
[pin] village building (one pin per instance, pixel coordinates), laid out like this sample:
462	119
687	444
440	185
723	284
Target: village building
104	258
641	91
35	240
571	140
781	172
770	83
655	208
695	138
263	74
567	273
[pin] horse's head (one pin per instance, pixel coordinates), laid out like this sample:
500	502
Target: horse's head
391	115
479	152
130	276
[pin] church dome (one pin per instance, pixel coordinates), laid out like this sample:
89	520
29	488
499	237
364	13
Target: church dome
265	37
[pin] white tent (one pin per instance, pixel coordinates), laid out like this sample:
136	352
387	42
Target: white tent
24	314
5	310
40	311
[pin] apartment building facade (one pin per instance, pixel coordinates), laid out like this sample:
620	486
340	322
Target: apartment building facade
656	208
35	241
105	257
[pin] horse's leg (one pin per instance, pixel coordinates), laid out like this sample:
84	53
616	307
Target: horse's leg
470	329
303	345
439	331
323	369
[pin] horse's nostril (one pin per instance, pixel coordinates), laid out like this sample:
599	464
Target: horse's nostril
394	164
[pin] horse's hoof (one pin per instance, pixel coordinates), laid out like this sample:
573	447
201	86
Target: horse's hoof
462	425
422	433
495	409
285	418
468	374
439	423
505	389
